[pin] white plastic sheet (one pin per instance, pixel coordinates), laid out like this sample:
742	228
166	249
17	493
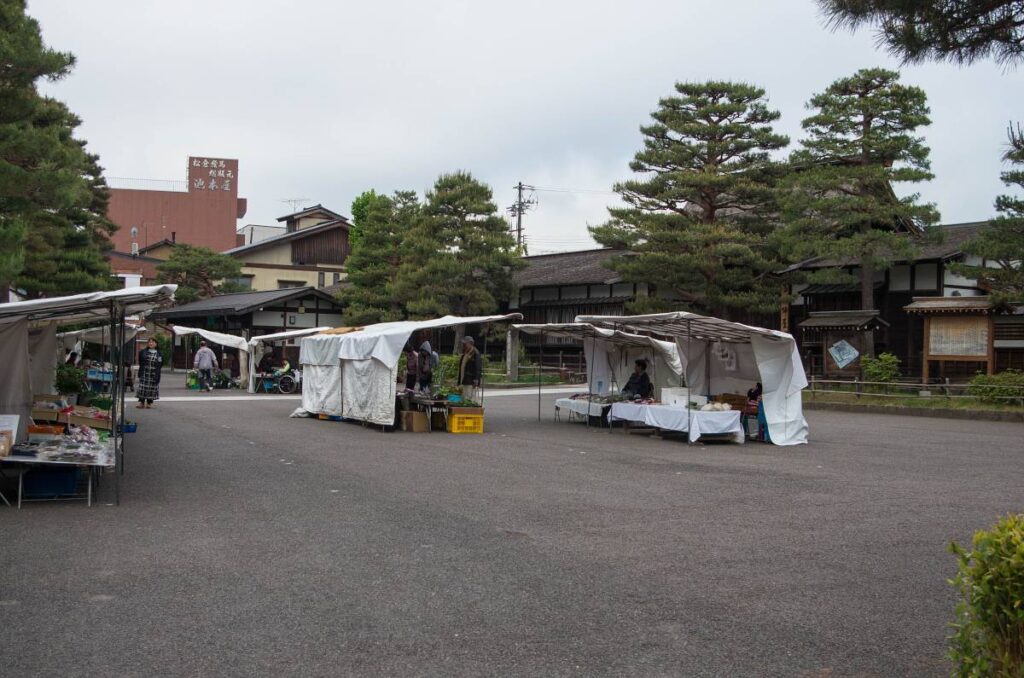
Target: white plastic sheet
228	340
368	390
695	423
321	389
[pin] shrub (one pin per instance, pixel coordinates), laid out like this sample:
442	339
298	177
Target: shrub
163	344
988	638
885	368
998	388
69	380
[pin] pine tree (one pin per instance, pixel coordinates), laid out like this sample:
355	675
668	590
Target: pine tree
459	256
49	185
376	257
1001	241
199	272
360	206
698	220
30	180
65	248
955	30
839	201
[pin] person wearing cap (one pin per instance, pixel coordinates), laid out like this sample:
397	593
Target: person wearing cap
205	362
469	369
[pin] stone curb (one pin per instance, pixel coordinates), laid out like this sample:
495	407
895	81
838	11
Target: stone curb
986	415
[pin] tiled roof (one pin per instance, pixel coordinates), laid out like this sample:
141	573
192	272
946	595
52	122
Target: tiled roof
842	320
306	211
955	235
951	305
568	268
241	303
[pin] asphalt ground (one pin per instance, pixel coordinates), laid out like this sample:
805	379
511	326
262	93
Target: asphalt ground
247	543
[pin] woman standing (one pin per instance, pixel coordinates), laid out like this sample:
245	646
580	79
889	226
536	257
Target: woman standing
150	363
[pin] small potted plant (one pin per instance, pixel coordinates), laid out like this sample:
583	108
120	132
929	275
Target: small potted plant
70	382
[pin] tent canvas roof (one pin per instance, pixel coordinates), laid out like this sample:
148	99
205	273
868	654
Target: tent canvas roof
681	324
79	308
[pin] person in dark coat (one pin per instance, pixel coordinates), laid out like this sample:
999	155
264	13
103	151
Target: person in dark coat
639	384
470	369
150	364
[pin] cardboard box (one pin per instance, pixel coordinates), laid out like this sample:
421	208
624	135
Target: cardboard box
41	414
415	422
6	442
84	416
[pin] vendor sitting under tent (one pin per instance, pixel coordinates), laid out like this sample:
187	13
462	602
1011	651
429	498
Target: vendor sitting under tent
639	384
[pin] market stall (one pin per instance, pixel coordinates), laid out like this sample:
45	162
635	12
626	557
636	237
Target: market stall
259	343
101	376
610	356
354	375
221	339
84	439
723	358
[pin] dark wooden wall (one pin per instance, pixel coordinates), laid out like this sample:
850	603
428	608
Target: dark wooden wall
330	247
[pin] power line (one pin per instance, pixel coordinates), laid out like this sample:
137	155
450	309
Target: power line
553	189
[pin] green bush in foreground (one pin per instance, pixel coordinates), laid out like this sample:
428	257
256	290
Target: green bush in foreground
989	631
998	388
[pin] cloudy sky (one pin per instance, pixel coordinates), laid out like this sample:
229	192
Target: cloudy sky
322	99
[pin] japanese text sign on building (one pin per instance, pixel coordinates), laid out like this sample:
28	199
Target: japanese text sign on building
212	174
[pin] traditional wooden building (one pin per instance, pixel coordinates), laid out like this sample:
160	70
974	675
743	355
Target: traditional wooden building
928	274
310	253
250	314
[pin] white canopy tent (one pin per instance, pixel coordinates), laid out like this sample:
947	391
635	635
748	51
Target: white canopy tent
611	354
41	318
229	340
95	335
355	375
257	344
726	357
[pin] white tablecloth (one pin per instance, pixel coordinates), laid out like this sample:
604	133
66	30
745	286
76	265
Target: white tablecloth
579	406
672	418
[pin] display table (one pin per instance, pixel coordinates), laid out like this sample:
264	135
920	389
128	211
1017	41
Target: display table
695	423
580	407
21	465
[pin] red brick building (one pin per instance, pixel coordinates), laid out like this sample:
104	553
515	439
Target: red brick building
202	211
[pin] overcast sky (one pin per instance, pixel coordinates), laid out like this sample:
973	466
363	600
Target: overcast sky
322	99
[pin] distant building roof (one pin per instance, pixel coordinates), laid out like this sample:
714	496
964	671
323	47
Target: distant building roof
166	242
834	288
954	305
308	211
843	320
288	237
241	303
568	268
955	235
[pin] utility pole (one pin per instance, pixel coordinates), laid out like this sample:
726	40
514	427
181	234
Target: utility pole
519	207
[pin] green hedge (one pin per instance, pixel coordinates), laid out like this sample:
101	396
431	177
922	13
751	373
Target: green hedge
988	638
998	388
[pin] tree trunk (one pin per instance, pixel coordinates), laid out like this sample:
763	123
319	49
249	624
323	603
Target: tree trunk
867	303
460	332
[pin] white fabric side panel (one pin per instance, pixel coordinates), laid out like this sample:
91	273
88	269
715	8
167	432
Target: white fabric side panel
43	356
243	368
16	386
321	389
369	388
580	406
731	367
229	340
783	379
320	349
599	372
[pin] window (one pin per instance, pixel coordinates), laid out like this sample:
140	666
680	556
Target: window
285	284
321	279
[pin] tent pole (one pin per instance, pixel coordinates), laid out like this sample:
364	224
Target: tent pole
689	386
590	380
540	367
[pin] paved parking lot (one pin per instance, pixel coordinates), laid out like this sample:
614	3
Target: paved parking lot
248	543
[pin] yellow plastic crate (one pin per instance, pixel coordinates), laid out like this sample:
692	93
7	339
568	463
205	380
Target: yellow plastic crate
465	423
